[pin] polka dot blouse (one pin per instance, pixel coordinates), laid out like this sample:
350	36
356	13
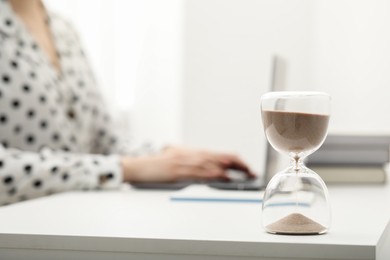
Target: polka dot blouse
54	132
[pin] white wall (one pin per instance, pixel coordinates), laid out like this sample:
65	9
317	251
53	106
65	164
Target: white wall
157	111
352	62
228	46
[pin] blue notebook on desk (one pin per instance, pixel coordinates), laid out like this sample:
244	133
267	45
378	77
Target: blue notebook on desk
203	193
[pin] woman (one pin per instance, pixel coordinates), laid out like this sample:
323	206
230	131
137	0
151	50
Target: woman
54	129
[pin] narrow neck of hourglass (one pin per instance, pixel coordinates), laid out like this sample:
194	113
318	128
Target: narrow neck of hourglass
296	162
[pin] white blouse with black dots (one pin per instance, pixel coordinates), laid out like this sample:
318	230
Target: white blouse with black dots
54	130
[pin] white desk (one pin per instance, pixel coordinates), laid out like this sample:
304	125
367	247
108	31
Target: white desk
147	225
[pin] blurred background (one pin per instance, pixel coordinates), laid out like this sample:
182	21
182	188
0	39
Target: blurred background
192	71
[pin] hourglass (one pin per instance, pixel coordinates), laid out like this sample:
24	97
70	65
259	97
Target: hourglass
296	200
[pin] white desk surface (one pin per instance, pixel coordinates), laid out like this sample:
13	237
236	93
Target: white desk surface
135	224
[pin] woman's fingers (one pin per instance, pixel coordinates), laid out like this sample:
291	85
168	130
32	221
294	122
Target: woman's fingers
231	161
203	164
201	170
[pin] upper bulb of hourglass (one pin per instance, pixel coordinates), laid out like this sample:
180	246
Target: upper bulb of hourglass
295	133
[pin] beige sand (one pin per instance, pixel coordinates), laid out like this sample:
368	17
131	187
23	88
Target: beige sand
296	223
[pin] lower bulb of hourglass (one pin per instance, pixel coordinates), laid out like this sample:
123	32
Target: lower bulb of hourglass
296	203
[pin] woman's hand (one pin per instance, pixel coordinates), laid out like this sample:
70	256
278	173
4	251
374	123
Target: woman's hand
177	163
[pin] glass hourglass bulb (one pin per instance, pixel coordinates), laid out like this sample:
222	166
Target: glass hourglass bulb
296	199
